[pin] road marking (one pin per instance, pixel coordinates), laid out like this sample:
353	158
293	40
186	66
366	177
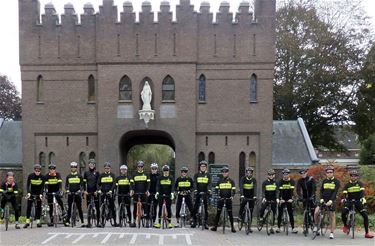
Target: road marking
106	238
134	238
68	236
148	235
161	239
122	235
188	239
78	238
50	238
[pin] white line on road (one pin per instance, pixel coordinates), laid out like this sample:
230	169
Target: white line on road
188	239
68	236
122	235
78	238
106	238
148	235
161	239
50	238
134	238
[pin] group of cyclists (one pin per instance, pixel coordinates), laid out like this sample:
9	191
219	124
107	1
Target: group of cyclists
160	189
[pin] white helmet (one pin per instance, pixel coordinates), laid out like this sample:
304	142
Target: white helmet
123	167
73	164
154	165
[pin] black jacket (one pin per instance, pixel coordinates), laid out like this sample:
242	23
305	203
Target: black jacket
35	184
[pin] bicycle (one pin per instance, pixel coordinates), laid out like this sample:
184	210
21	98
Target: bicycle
73	218
33	208
285	218
323	224
140	215
201	214
122	214
267	219
225	212
6	213
307	219
151	211
91	211
246	217
56	209
351	218
183	213
164	213
105	212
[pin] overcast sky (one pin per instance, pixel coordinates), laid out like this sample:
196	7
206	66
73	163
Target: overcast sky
9	60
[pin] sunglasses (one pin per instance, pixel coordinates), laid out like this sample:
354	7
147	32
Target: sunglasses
36	170
184	171
354	175
329	172
53	168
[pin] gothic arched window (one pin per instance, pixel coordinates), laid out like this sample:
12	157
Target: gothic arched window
168	89
39	89
211	158
91	89
125	88
242	163
202	88
253	88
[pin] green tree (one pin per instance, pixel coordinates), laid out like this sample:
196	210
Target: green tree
10	101
367	154
317	72
364	113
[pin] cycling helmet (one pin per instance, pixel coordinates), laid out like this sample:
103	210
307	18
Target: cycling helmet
92	161
37	166
165	168
201	163
225	169
51	166
328	168
184	169
303	170
285	171
123	167
10	174
73	164
249	169
353	173
154	166
107	164
271	172
140	164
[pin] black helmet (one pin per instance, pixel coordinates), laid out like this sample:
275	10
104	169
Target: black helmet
52	166
303	170
184	169
271	172
165	168
203	162
37	166
140	164
225	169
353	172
92	161
107	164
249	169
328	168
285	171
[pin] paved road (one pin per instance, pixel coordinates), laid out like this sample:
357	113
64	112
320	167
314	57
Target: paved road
176	236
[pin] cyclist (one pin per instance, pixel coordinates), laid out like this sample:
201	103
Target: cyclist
106	186
151	198
183	187
165	187
53	184
354	190
306	188
226	189
286	190
202	183
90	181
74	183
34	186
140	184
328	193
123	189
9	190
248	189
270	193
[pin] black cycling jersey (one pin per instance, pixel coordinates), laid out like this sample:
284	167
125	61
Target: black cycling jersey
286	189
35	184
354	190
140	182
226	187
183	184
306	187
9	189
106	182
153	182
165	185
53	183
329	189
74	182
90	179
248	187
202	181
123	184
270	190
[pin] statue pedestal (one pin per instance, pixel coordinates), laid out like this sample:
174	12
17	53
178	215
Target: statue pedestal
146	115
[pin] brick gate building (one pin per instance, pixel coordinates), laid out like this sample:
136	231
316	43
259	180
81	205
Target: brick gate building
211	83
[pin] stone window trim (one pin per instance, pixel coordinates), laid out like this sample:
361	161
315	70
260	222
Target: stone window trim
253	96
39	90
91	86
125	89
168	90
202	89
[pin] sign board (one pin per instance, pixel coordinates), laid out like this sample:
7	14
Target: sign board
215	174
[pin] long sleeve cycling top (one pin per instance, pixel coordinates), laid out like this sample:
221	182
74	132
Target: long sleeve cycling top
329	189
248	187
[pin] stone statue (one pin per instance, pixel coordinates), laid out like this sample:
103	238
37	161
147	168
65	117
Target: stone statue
146	96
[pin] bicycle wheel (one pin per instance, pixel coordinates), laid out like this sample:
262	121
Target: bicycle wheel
248	221
6	216
286	221
103	214
352	223
323	223
122	216
74	215
240	221
32	215
224	219
54	215
268	222
202	219
259	223
305	222
89	216
164	216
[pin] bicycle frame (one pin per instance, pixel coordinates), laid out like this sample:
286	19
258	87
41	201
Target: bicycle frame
164	213
56	208
201	210
91	211
225	212
322	225
104	210
122	211
351	217
140	210
307	218
73	217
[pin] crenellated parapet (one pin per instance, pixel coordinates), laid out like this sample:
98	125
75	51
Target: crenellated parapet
103	37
